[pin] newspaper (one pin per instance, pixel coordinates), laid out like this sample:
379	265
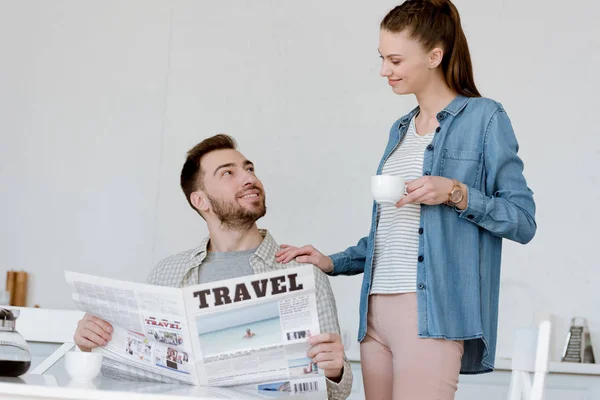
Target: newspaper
249	330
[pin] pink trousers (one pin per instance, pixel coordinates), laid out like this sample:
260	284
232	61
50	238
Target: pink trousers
396	364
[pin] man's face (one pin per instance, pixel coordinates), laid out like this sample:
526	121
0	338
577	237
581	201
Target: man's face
235	195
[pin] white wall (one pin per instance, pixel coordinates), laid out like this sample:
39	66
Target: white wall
82	108
100	100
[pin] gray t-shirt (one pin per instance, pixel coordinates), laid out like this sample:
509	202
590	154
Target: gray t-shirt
232	264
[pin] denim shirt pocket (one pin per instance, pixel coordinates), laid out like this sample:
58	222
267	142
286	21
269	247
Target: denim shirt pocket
463	165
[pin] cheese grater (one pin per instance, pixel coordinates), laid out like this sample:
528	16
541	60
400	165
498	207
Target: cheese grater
578	347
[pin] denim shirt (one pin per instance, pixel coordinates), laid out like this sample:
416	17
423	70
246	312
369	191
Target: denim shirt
458	268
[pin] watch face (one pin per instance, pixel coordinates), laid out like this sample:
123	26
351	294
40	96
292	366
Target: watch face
456	196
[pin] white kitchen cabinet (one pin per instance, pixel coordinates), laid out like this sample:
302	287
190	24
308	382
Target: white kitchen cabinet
581	382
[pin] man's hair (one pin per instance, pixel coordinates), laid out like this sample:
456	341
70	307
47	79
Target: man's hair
191	173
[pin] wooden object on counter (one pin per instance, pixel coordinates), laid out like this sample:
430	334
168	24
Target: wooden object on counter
10	286
20	289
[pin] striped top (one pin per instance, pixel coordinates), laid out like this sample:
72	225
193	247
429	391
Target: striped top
397	236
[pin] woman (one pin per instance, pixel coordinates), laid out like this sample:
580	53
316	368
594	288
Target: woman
431	263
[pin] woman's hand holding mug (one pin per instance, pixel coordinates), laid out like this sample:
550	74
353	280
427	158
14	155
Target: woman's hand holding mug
431	190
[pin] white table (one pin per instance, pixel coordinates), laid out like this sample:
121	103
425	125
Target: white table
38	387
56	384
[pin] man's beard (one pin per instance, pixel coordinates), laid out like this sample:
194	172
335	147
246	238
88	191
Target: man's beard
234	216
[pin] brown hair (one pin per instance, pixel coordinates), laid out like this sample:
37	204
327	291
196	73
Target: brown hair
191	173
437	23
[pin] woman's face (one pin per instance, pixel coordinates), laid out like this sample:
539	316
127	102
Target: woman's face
406	65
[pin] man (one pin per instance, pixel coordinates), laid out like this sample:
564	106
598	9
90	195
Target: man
221	185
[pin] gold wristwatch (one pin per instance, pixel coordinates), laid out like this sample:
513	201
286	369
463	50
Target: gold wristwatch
456	195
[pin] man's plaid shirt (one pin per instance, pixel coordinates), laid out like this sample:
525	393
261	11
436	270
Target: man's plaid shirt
183	269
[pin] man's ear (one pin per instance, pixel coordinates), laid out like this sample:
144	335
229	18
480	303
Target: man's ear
435	57
200	201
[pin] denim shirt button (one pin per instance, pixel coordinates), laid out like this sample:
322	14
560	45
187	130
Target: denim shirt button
430	147
440	116
438	129
421	286
420	231
421	258
470	216
427	173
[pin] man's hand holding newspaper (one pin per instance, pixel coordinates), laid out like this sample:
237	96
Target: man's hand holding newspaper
92	332
327	351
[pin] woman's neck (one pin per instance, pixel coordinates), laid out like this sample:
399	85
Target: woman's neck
434	99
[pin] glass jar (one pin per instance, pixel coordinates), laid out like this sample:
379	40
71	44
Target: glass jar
15	358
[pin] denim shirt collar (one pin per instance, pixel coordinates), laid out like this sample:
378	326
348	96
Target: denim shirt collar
455	107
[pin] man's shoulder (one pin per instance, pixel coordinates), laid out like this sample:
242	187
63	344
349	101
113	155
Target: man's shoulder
319	275
181	258
170	270
269	248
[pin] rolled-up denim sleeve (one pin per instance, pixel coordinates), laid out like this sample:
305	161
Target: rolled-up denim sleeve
507	208
352	260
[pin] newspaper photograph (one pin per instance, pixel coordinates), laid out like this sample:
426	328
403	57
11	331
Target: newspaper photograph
250	331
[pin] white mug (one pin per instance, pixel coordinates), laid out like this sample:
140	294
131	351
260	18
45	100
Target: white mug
387	189
83	366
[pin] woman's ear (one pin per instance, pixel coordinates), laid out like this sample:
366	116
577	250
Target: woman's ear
435	57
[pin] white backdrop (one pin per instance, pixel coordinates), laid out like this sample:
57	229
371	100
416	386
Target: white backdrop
100	100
